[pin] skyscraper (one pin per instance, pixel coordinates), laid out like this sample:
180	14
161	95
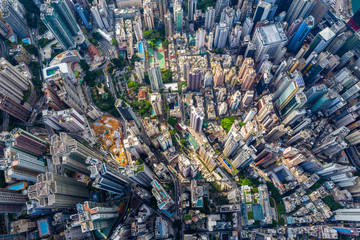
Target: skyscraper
191	9
299	9
351	43
126	112
21	165
221	35
200	38
13	85
14	19
11	201
320	41
70	153
196	119
84	17
288	93
55	191
65	90
155	77
194	81
269	40
354	21
156	104
168	25
107	178
227	16
94	216
220	5
58	18
178	17
301	34
163	8
262	12
68	119
209	18
149	18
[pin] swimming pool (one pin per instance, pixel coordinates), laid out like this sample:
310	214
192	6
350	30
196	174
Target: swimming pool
43	227
140	47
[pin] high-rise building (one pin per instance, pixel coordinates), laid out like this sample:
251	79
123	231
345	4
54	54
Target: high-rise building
70	153
194	81
209	18
354	21
200	38
287	93
168	25
299	9
11	201
84	17
65	90
235	101
55	191
68	119
14	19
220	5
24	141
250	115
178	17
245	156
319	10
94	216
248	98
149	18
52	99
196	119
351	43
22	166
162	7
191	9
208	79
138	31
221	35
233	143
126	112
228	16
107	178
219	77
155	77
262	12
352	215
235	36
13	85
140	174
156	103
301	34
58	18
269	40
320	41
96	16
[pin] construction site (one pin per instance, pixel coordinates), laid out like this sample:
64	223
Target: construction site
108	131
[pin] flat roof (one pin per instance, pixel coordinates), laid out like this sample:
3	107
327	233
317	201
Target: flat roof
327	34
271	34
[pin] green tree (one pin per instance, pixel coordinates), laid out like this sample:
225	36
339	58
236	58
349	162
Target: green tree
226	123
165	43
114	42
172	121
133	86
96	36
119	62
135	58
182	142
84	65
166	75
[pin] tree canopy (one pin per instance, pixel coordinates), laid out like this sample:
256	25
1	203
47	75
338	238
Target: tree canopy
226	123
